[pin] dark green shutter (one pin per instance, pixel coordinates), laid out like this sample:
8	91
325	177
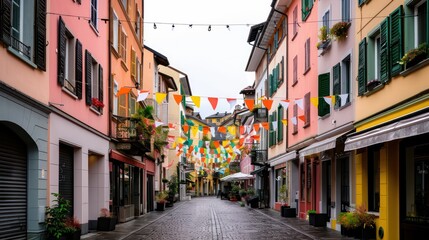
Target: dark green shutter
88	77
270	134
270	82
306	6
396	45
274	132
336	84
323	108
78	69
361	2
40	35
61	51
100	86
384	51
280	124
362	68
5	21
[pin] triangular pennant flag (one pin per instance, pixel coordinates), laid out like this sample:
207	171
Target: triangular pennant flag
299	102
186	128
302	118
315	101
221	129
267	103
248	129
232	130
225	143
216	144
123	90
256	137
194	131
196	100
241	141
284	121
213	101
232	102
343	98
213	131
242	129
265	125
171	126
178	98
285	103
328	100
205	130
256	127
159	97
157	124
294	121
250	103
142	95
274	125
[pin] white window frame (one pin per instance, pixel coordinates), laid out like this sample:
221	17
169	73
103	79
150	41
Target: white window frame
95	84
416	22
115	97
115	40
95	7
377	50
70	62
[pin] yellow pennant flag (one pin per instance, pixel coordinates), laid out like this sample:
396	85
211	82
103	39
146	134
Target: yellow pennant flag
232	130
160	97
315	101
194	131
196	100
333	99
284	121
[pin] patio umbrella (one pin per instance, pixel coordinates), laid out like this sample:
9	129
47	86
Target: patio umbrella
237	177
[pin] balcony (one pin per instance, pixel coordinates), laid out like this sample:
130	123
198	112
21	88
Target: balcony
129	137
258	157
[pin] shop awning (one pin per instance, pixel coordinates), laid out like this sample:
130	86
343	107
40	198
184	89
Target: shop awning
258	170
284	158
401	129
236	177
321	146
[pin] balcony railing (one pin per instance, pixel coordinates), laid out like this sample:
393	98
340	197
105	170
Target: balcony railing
259	157
20	47
130	137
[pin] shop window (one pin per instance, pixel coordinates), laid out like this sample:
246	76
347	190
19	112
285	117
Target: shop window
374	179
302	190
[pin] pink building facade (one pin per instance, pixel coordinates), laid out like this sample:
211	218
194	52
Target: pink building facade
78	96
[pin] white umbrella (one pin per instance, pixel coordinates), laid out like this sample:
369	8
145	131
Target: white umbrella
236	177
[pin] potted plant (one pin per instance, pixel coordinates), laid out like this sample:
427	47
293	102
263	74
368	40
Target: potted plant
414	56
349	223
317	219
366	222
73	230
324	38
105	222
57	222
340	30
172	190
97	103
161	199
371	85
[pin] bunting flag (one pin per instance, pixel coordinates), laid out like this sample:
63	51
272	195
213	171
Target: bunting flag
267	103
285	104
159	97
299	102
196	100
213	101
232	130
232	102
242	130
216	144
221	129
157	124
225	143
171	138
123	90
248	129
284	121
294	121
302	118
256	127
194	131
172	126
250	103
328	100
142	95
274	125
213	131
178	98
265	125
186	128
241	141
315	101
256	137
343	98
206	130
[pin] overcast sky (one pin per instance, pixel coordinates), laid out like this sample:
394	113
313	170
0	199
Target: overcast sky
214	60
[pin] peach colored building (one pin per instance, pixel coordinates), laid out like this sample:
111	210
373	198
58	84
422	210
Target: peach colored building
78	97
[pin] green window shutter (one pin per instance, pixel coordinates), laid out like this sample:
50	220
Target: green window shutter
274	132
384	52
336	83
270	85
396	45
306	6
275	79
362	68
323	108
280	124
270	140
361	2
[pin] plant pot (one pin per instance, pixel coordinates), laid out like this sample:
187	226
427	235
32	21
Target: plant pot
73	236
289	212
160	206
283	210
318	219
369	233
106	223
415	60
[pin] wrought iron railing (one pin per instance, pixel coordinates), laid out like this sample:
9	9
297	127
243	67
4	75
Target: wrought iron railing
20	47
258	157
126	128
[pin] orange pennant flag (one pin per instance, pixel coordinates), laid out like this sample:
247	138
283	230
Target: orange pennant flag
265	125
213	101
250	103
242	130
267	103
123	90
201	150
180	145
302	118
256	137
222	129
178	153
241	141
256	127
186	128
228	160
178	98
205	130
216	143
191	148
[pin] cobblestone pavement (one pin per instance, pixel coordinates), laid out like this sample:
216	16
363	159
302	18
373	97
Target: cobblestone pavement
212	218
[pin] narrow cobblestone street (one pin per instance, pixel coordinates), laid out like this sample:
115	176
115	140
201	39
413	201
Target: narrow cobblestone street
212	218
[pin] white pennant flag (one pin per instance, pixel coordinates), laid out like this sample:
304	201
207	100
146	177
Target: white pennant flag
343	98
142	96
294	121
274	125
157	124
328	100
285	104
232	102
248	129
300	103
212	131
207	144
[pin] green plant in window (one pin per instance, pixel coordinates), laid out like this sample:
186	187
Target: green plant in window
340	30
324	38
416	54
283	194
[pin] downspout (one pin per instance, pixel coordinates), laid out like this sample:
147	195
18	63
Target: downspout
110	89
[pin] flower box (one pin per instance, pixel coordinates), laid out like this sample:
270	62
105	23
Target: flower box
318	219
106	223
160	206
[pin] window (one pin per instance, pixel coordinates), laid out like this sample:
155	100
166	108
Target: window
138	72
272	132
325	21
420	28
138	24
295	70
115	27
306	6
345	10
307	109
125	4
295	21
280	117
69	78
280	71
336	83
132	106
94	82
94	13
24	29
115	97
123	46
324	90
133	64
374	178
307	56
295	122
341	81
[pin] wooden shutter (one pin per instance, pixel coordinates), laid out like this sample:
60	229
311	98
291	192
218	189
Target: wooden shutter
307	109
295	115
78	69
396	45
61	51
100	86
323	108
306	8
40	35
295	69
5	21
133	64
384	51
280	123
122	105
336	83
362	68
88	77
270	135
270	85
